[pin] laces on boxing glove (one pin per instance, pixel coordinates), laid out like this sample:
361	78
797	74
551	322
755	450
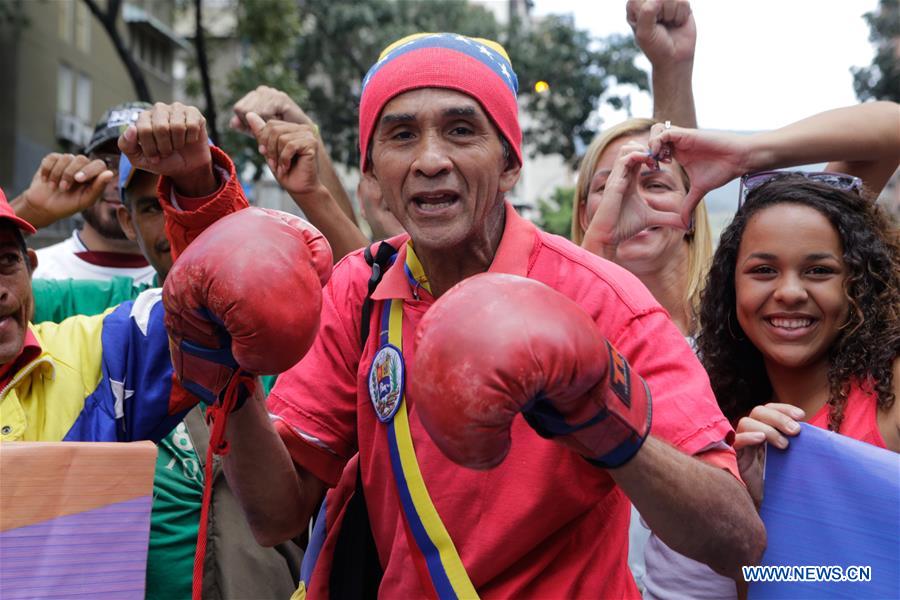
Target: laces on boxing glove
223	375
240	385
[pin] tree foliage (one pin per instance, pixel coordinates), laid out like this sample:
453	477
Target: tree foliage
579	72
341	39
556	212
318	51
881	79
268	30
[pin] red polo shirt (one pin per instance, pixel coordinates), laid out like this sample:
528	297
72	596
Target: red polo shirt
544	523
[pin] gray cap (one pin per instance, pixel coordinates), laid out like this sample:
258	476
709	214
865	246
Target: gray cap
114	122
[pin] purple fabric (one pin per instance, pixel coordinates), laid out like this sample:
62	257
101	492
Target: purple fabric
100	553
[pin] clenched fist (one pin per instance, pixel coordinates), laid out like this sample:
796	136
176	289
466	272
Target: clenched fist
664	30
170	140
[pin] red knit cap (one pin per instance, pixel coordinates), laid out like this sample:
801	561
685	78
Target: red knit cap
476	67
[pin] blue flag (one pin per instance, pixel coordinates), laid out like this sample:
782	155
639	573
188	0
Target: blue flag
832	513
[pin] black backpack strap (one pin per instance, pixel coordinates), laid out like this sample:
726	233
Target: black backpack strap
355	569
379	263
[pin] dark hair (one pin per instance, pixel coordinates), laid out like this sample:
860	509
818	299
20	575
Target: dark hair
868	343
129	199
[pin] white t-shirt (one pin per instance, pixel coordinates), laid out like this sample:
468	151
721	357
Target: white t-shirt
663	574
61	261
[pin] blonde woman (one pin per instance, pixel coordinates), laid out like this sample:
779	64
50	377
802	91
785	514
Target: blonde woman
669	260
654	242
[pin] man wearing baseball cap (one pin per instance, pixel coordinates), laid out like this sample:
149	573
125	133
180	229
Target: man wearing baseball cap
440	137
100	250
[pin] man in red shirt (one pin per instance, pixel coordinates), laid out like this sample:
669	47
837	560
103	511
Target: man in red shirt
439	135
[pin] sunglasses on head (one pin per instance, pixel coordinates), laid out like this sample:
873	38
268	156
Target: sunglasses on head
841	181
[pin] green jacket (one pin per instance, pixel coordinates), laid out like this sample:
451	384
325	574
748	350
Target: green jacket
58	299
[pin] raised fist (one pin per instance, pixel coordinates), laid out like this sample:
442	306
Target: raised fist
170	140
664	30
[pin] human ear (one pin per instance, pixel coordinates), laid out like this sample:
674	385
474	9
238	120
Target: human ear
510	174
126	223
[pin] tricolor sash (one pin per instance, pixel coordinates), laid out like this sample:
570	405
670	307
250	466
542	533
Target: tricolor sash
442	564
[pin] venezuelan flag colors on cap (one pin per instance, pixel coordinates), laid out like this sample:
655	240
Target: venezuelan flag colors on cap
477	67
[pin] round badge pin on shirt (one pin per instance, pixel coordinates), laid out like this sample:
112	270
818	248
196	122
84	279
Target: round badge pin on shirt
386	379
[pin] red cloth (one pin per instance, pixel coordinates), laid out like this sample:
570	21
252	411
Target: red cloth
860	416
31	349
722	458
545	523
196	214
113	259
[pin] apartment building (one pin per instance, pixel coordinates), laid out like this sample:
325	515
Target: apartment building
61	71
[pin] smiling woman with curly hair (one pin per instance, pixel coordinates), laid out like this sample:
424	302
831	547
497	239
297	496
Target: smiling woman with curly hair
800	317
802	310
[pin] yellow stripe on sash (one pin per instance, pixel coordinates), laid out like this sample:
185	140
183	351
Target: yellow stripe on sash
434	527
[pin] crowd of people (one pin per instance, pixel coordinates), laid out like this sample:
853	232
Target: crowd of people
369	389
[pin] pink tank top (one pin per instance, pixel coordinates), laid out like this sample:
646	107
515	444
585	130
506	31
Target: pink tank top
860	417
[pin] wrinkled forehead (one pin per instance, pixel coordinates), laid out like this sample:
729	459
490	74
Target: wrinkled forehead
429	102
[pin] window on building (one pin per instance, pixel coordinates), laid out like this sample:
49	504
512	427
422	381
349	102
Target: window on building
83	98
141	47
152	53
64	83
66	19
82	28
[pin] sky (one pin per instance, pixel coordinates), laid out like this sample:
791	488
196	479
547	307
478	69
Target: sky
759	64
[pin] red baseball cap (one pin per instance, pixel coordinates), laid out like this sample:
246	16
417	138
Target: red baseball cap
8	214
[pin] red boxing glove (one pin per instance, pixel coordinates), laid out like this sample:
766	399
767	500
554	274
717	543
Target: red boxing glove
497	345
245	294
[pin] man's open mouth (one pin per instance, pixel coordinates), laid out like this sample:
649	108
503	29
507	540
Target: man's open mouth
434	202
